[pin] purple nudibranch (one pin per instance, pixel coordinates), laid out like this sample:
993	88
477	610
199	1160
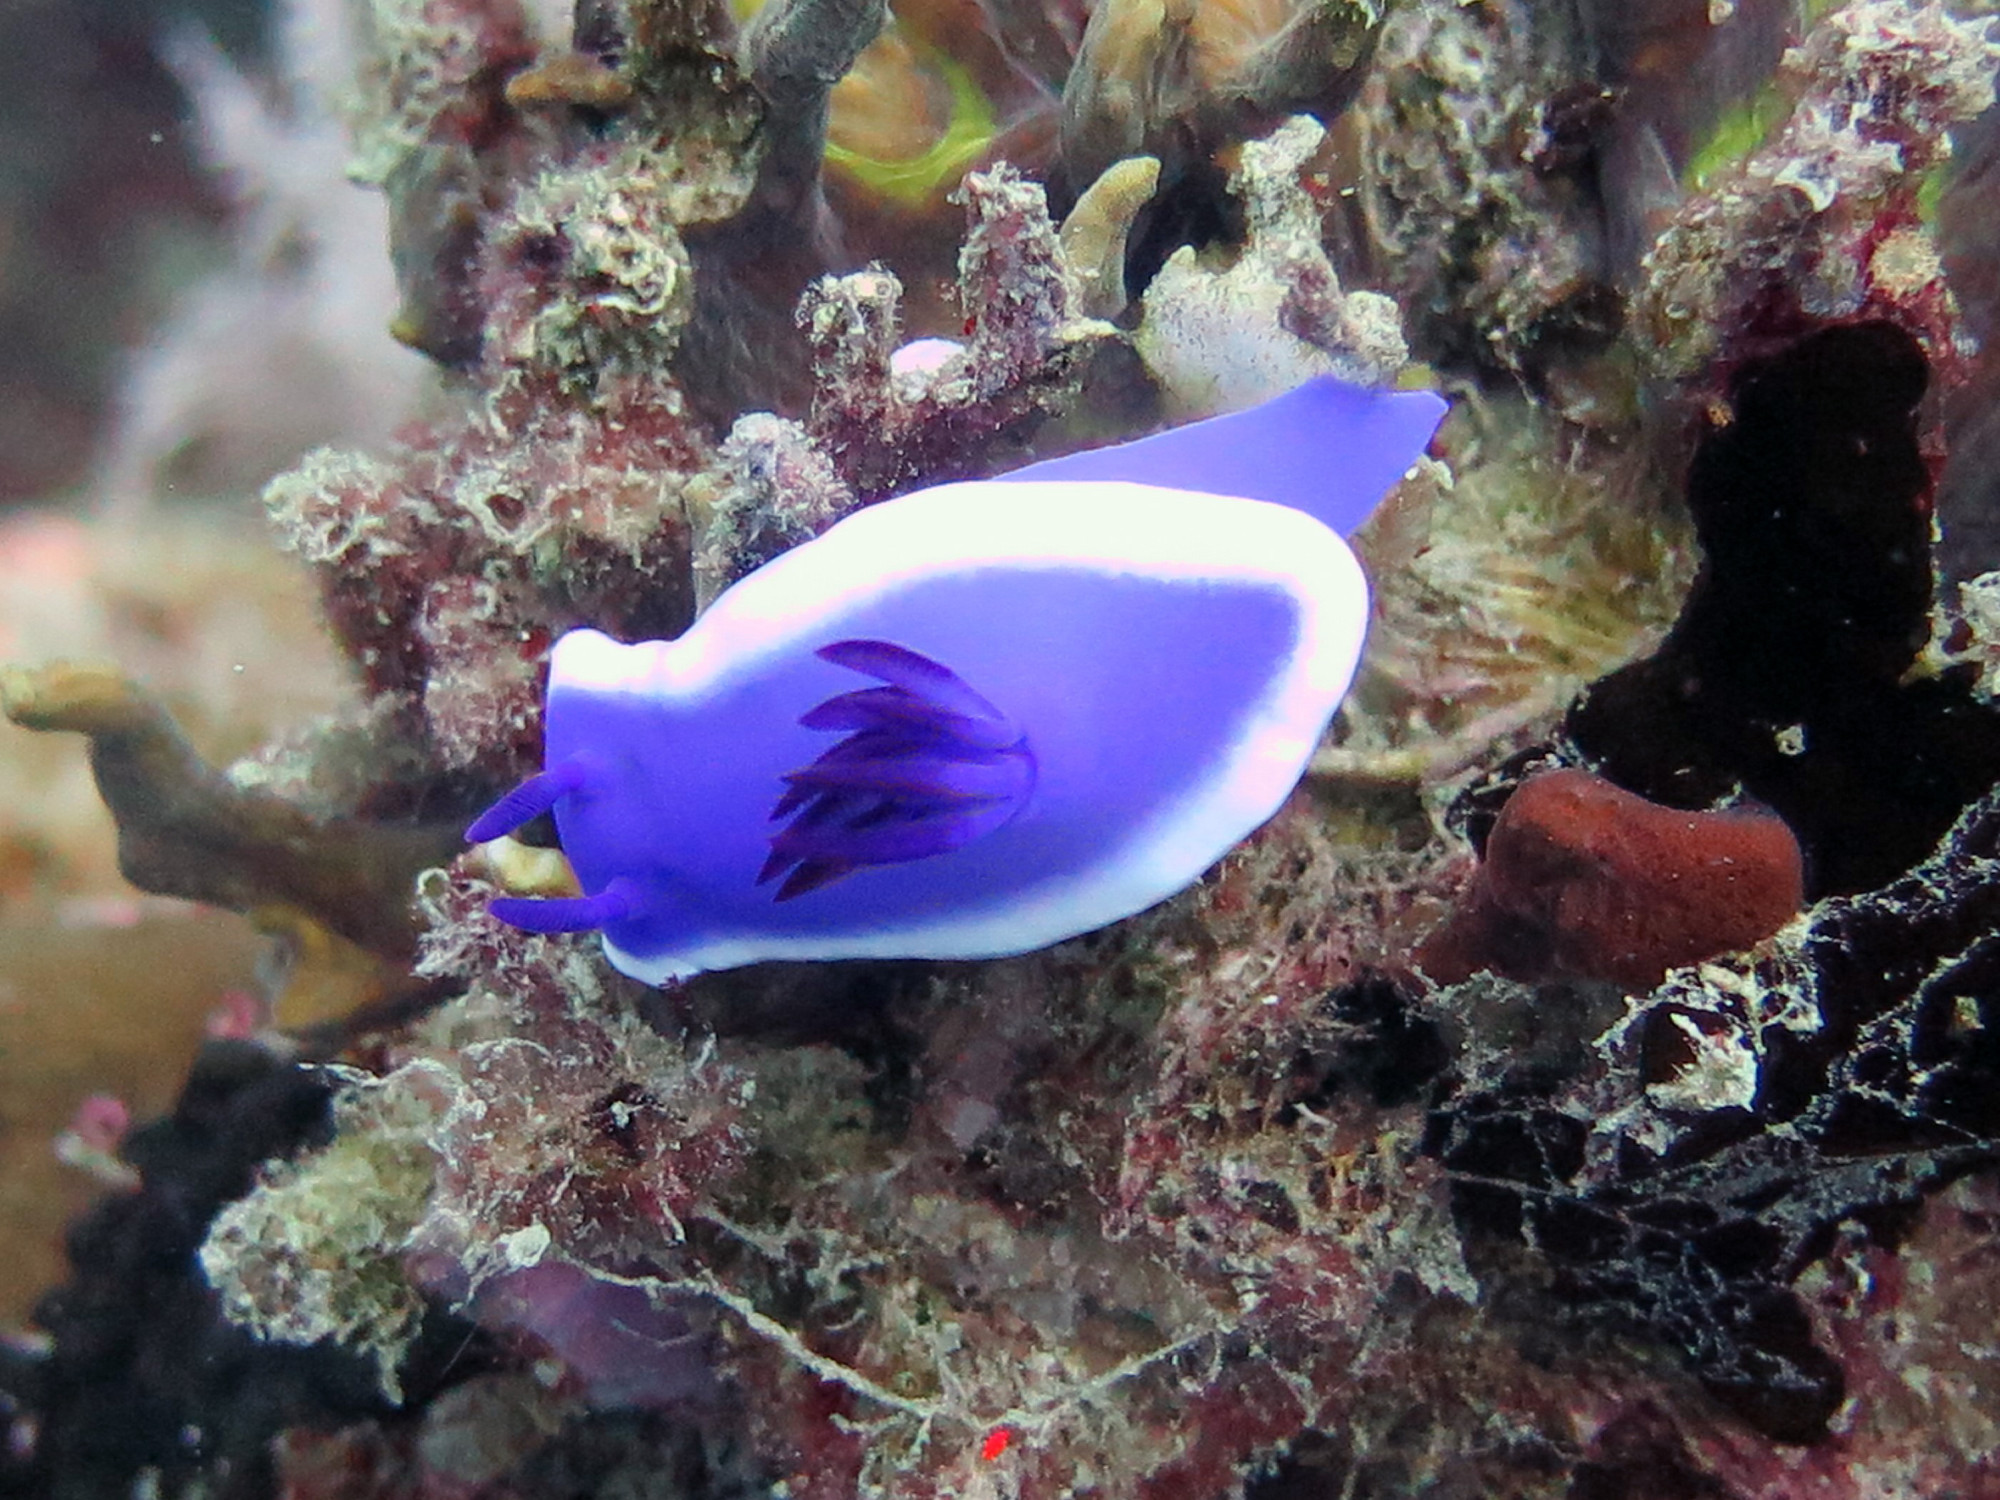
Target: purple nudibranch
977	719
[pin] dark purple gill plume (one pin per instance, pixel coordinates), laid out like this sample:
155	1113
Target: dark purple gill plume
928	765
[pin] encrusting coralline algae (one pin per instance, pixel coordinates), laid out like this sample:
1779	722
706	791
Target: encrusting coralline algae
1305	1180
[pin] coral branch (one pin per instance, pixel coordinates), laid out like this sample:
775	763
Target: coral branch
795	53
774	491
184	830
1095	232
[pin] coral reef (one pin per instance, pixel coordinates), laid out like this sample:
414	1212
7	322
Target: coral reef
1477	649
1741	1117
1495	239
1822	221
1027	349
1490	1121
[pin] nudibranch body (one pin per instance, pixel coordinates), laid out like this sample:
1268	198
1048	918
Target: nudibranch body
978	719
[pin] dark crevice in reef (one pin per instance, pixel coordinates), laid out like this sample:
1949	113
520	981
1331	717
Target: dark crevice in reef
1380	1047
1191	206
1784	678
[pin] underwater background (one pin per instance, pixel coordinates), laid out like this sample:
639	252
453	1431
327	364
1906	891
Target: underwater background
1586	1085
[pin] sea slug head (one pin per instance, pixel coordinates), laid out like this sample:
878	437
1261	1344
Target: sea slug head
976	719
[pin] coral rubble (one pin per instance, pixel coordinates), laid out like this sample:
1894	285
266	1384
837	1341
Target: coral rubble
1218	340
1493	1120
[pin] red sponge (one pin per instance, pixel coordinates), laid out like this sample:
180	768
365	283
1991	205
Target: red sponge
1584	880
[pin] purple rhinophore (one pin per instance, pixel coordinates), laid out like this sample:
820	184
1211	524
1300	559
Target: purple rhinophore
1094	678
533	797
608	907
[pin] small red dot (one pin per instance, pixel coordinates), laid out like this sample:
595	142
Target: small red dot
995	1444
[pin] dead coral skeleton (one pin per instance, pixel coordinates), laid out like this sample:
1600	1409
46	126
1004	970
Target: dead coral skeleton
1221	338
1027	348
1877	84
184	830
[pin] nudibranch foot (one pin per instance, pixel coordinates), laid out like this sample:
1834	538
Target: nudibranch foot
929	766
617	902
528	801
